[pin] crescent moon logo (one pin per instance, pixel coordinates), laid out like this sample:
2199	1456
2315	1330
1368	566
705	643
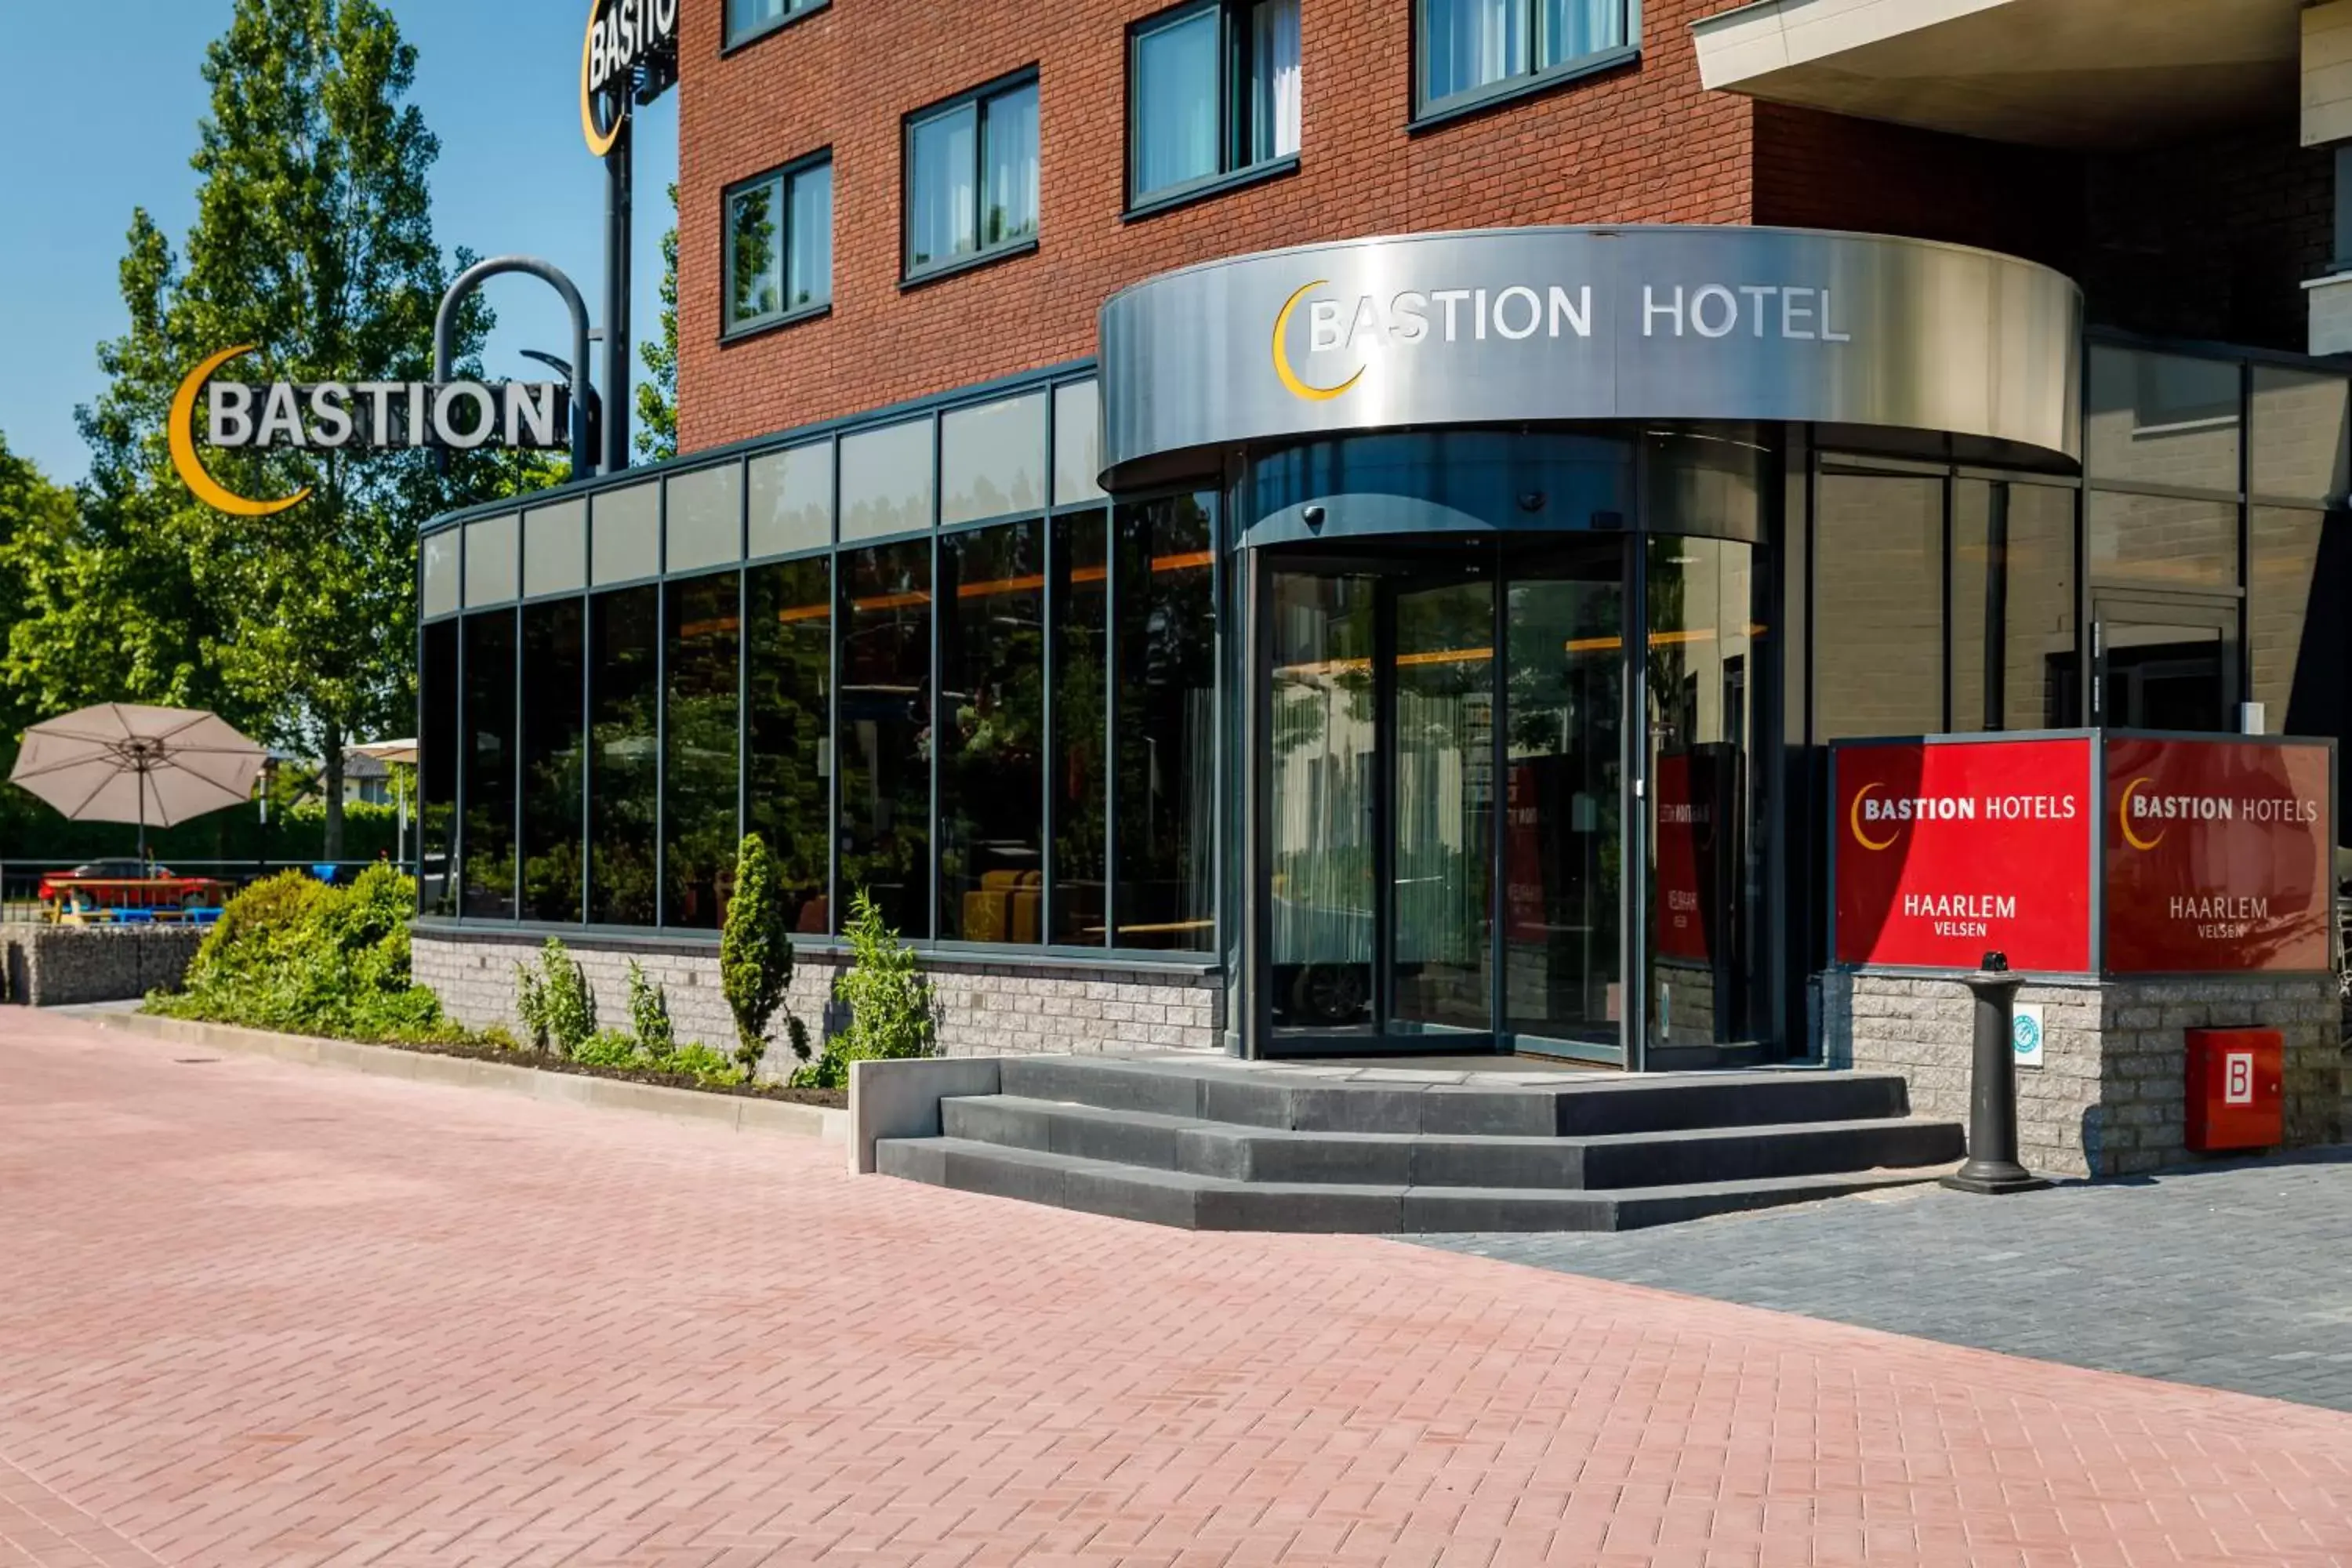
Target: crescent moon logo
1854	817
182	432
1297	386
2122	817
599	141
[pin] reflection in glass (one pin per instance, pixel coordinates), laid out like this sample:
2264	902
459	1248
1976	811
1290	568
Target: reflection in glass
698	787
886	481
1445	808
992	786
755	253
1081	656
623	759
551	759
943	161
993	459
1078	442
2299	572
2162	419
1469	44
555	549
2014	591
808	269
792	499
492	568
2162	541
2302	436
1878	605
789	682
1167	735
488	759
886	734
1323	775
437	768
440	549
1009	212
1561	851
704	515
1178	88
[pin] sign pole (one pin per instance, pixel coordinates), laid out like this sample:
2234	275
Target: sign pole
617	205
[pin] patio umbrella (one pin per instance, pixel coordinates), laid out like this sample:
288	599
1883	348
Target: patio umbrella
121	762
402	751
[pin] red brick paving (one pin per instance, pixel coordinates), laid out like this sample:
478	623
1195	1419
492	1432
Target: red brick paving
252	1312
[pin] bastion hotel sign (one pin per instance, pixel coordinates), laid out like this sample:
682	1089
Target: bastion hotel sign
2084	853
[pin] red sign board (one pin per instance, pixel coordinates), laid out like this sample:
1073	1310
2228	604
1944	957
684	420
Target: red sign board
1950	851
2217	855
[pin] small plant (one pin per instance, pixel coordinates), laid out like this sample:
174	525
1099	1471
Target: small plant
556	1006
649	1014
890	1004
755	955
708	1068
608	1048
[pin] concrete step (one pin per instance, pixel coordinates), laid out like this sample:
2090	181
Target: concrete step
1576	1105
1237	1152
1195	1202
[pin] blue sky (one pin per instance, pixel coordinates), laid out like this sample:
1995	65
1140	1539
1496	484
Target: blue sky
100	117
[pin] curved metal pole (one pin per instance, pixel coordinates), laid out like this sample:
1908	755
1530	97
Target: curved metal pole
445	326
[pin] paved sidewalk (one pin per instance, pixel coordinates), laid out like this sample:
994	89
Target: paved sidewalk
2236	1277
253	1313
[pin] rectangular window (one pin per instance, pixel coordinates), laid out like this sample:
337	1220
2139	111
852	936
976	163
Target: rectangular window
747	19
1081	659
1166	649
788	738
2014	656
698	834
971	177
992	734
792	499
551	760
488	761
437	768
1471	49
2162	541
780	245
441	571
1213	89
992	459
1878	605
2162	419
623	693
885	732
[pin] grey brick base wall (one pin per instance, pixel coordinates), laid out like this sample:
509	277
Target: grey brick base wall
984	1008
62	966
2111	1098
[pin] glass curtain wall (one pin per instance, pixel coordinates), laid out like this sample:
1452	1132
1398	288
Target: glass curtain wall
1081	605
788	738
1443	839
886	732
1323	782
487	756
990	725
624	754
553	762
704	629
437	771
1165	722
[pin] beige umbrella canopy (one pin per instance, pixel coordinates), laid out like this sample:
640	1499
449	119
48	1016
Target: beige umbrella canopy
121	762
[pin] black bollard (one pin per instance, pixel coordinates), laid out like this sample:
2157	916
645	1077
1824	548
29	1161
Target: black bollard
1992	1165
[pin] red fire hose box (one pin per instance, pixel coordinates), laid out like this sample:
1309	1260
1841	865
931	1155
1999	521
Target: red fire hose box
2236	1089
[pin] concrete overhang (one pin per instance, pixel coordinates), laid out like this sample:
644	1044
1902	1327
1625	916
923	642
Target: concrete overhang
2084	74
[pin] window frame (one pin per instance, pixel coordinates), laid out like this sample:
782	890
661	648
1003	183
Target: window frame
783	176
1233	126
730	41
1423	113
979	98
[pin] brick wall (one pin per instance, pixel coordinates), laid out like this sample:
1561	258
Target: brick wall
1644	145
984	1009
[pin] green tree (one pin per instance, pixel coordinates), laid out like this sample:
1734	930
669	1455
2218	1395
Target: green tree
755	952
35	514
657	435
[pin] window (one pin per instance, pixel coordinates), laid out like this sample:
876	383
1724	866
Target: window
2162	419
552	775
487	885
1081	655
698	759
990	726
885	732
1473	49
436	768
1166	649
992	459
1878	605
704	518
441	573
971	177
2012	606
788	685
623	690
2162	541
780	245
747	19
1213	89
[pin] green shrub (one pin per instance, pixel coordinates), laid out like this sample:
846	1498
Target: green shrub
755	953
700	1063
890	1004
608	1048
649	1014
556	1006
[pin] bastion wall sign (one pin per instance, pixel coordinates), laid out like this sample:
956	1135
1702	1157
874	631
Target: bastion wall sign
2085	852
1503	326
623	34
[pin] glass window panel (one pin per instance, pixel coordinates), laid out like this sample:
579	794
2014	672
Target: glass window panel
993	459
2013	590
885	732
625	535
755	253
789	685
943	206
1878	605
704	515
1324	766
1081	658
809	271
992	734
441	571
1167	739
489	759
1469	44
705	631
1442	830
1178	71
2162	541
1273	80
436	768
555	549
747	17
1078	442
623	759
553	670
1567	30
492	571
792	499
2302	434
886	481
2300	570
1010	214
2162	419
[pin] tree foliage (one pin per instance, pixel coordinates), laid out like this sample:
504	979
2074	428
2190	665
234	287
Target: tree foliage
755	951
657	435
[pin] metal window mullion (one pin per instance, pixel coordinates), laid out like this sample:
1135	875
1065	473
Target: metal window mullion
1498	797
939	683
514	754
661	704
458	772
1049	612
1113	667
838	623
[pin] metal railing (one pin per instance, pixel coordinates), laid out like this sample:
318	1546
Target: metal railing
20	880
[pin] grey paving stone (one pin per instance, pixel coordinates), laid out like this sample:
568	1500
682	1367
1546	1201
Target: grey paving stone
2236	1277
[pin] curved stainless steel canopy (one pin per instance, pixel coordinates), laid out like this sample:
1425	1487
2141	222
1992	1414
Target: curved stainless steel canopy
1509	326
